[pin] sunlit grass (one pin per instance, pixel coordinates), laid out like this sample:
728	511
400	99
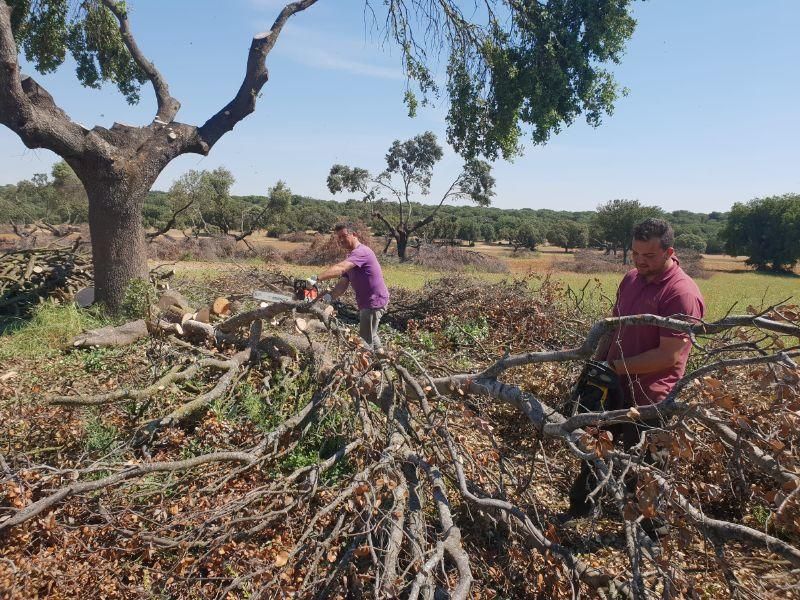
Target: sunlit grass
47	332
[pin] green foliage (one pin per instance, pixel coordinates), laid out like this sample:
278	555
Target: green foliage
47	30
568	235
542	67
690	241
767	230
466	333
614	222
321	440
99	436
139	297
526	235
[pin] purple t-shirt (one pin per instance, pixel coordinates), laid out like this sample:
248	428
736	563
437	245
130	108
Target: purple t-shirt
673	293
367	278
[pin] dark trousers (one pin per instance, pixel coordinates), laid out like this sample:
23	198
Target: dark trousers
628	435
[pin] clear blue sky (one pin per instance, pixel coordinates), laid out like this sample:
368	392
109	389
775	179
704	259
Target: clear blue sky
712	117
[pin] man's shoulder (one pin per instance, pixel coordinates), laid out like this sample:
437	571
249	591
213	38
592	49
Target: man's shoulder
628	278
682	283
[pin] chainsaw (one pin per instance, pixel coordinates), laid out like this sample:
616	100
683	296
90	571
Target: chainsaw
301	293
598	389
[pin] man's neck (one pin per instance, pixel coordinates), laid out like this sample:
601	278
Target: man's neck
667	266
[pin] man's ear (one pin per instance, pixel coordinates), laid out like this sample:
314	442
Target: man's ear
670	251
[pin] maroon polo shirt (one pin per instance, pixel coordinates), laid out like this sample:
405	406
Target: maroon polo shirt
672	293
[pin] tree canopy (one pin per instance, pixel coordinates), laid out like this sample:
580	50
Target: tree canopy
409	169
767	231
614	222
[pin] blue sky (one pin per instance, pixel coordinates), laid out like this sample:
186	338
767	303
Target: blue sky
712	117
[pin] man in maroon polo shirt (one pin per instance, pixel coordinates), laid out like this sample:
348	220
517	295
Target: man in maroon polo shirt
648	360
362	270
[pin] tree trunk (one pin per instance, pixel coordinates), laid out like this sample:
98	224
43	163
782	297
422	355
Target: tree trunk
624	256
119	251
402	244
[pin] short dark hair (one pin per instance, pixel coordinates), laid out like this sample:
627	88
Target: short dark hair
655	228
349	225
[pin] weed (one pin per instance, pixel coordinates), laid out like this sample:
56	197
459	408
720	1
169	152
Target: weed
99	437
466	333
139	297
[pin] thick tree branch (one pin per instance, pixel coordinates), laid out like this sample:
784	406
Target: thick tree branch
255	77
167	105
27	108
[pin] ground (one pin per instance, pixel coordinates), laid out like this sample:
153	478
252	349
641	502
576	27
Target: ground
112	542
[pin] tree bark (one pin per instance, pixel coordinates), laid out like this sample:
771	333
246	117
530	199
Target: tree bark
119	250
402	244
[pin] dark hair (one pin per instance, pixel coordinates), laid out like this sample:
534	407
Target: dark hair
350	226
655	228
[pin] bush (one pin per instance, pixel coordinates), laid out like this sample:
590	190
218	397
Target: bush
449	258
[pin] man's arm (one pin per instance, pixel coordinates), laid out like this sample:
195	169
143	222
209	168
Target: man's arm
662	358
336	270
340	288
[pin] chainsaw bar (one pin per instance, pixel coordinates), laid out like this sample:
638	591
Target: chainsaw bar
271	297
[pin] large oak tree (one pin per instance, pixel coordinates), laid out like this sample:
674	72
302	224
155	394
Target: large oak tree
511	66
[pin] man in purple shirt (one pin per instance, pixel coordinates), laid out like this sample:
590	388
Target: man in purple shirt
648	360
361	270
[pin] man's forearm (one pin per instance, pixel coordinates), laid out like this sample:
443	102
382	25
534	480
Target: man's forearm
333	272
650	361
340	288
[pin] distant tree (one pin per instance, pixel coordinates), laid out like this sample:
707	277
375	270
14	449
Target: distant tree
468	230
446	229
507	226
488	233
71	204
527	235
409	169
568	235
690	241
715	244
767	231
614	222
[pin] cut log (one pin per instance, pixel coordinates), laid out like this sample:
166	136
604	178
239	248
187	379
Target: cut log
203	315
175	314
173	298
221	306
112	336
85	297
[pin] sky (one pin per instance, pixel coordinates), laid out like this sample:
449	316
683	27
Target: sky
712	116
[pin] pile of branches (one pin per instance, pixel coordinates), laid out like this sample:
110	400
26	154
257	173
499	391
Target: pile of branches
28	277
272	455
589	260
452	259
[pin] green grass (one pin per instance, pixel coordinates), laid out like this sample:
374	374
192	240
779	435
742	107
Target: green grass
50	329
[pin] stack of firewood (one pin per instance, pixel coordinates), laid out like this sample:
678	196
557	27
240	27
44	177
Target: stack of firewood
30	276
